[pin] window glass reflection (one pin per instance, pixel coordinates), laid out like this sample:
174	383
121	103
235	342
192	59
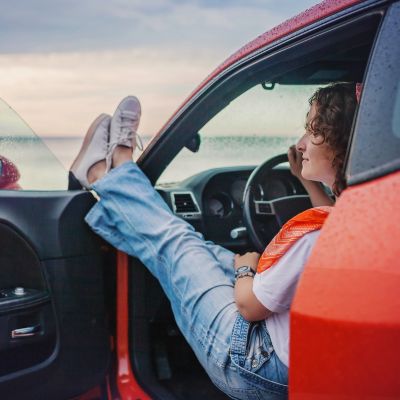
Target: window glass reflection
25	161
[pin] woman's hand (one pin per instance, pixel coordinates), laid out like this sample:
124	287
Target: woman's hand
295	161
247	303
249	259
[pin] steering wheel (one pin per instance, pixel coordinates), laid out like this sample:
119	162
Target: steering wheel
264	218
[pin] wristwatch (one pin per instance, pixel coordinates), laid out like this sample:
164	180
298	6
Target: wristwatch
244	271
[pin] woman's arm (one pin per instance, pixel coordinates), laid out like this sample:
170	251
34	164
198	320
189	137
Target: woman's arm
317	194
314	189
247	303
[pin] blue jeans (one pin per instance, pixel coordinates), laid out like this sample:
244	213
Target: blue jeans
198	279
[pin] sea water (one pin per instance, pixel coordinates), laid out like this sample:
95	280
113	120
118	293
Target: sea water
43	163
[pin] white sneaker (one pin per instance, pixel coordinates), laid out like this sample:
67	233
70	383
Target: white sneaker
94	148
124	124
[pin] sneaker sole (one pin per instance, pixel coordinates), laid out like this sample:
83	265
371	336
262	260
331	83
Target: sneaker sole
87	140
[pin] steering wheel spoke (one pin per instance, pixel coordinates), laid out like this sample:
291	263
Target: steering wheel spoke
264	207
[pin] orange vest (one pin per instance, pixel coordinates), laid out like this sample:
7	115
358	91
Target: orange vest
305	222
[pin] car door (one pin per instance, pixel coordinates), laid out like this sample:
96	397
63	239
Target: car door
345	315
54	335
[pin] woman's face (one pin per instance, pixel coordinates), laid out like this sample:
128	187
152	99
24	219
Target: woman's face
317	156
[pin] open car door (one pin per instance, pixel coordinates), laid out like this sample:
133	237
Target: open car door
54	336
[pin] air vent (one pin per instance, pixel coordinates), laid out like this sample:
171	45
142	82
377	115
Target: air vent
185	204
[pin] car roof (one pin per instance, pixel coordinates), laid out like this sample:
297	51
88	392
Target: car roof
305	18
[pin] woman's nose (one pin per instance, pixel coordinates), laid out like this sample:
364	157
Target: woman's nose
300	145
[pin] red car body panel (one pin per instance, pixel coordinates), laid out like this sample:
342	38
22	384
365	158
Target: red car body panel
350	289
127	385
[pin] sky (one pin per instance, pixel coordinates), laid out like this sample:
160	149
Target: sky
63	62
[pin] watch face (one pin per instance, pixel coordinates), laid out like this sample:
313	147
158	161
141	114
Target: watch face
243	269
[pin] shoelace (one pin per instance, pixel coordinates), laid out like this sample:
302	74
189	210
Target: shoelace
125	136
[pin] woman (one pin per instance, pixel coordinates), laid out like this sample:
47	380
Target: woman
215	294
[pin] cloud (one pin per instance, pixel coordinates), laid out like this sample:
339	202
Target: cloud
76	25
61	93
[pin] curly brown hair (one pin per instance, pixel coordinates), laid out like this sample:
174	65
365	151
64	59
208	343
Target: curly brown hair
335	107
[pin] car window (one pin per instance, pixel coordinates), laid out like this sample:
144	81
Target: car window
25	161
255	126
376	143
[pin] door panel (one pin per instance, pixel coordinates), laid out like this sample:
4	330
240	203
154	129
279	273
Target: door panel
54	337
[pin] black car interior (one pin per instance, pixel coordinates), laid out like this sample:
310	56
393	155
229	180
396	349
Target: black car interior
53	325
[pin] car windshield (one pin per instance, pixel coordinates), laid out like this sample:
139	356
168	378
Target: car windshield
26	153
254	127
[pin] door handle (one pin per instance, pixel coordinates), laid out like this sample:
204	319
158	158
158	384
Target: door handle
28	331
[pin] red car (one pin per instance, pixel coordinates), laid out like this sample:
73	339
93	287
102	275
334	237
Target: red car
79	321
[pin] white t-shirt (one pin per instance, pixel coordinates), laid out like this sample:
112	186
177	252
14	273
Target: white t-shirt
275	289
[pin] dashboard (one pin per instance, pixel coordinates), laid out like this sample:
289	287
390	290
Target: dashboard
212	200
